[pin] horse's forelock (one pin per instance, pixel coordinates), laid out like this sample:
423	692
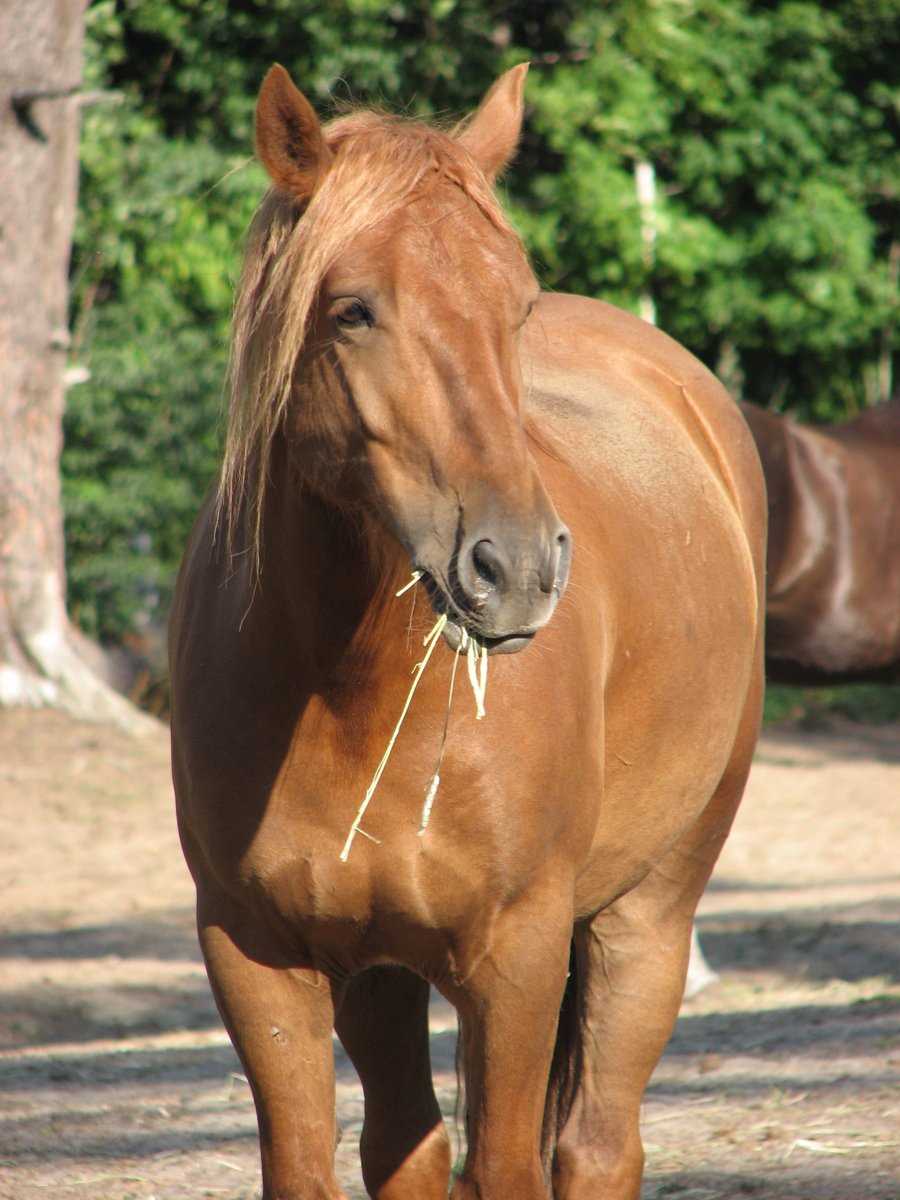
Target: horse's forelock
381	162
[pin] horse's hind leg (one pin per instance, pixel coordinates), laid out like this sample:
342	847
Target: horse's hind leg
280	1019
631	961
383	1024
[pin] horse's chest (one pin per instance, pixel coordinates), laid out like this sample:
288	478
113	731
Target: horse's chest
427	903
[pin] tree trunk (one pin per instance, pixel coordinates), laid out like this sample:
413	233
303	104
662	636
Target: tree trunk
40	73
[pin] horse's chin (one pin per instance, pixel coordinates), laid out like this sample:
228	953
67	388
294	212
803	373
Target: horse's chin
510	644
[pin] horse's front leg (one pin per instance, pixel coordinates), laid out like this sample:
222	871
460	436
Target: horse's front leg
383	1024
280	1019
509	1008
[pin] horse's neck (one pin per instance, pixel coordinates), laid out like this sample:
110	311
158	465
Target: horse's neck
327	575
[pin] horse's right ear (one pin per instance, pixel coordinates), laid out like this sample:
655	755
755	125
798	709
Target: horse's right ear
289	141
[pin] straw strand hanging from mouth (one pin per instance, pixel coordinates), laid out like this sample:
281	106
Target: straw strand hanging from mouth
435	782
431	641
477	676
476	659
413	580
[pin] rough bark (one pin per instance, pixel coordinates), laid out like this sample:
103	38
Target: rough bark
40	72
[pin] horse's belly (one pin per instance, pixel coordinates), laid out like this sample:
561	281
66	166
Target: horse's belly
840	636
642	815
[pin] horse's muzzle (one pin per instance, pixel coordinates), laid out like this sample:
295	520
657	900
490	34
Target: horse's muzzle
502	590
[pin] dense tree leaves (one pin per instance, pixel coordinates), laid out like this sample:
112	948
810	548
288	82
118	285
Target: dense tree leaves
777	178
771	128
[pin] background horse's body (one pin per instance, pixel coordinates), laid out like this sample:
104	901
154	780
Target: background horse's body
833	591
550	897
833	557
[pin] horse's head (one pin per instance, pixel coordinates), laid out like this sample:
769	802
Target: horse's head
407	396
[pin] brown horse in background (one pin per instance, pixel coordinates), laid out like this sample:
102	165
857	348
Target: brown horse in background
403	397
833	558
833	586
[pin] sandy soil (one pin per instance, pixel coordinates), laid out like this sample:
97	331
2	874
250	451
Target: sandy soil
116	1080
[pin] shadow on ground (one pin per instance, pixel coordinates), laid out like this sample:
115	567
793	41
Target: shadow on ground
816	944
169	936
781	1185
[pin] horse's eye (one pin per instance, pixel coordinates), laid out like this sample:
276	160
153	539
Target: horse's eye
528	311
353	314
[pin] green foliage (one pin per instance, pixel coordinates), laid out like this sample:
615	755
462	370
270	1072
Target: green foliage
875	704
141	444
772	129
777	182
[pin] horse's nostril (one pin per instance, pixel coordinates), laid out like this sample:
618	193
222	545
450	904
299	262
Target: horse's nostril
561	558
486	561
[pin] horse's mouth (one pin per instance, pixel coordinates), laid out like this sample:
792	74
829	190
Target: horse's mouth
458	622
510	644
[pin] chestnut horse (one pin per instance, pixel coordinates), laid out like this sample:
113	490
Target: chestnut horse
833	558
833	590
403	397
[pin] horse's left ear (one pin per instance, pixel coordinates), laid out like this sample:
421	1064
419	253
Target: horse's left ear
491	136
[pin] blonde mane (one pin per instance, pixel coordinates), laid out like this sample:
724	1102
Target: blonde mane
381	162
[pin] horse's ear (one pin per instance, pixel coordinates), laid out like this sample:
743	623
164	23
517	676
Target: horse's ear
289	141
491	136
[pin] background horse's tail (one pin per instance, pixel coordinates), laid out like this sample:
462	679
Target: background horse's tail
565	1069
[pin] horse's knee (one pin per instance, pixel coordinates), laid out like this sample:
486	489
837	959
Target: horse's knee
584	1170
401	1161
522	1179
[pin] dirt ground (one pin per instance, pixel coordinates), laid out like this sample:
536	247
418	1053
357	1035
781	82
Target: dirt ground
116	1080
